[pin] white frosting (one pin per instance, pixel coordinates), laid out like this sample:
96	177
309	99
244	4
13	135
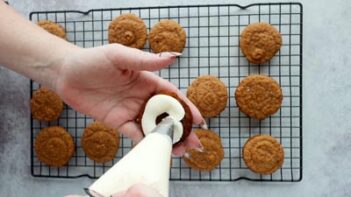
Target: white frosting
158	105
147	163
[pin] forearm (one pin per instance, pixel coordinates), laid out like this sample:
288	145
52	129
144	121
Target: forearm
29	50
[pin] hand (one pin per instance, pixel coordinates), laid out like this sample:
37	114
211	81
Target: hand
110	83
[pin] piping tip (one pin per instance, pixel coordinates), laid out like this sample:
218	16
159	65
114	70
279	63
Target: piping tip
166	126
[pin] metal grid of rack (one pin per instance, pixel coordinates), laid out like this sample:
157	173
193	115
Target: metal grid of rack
212	47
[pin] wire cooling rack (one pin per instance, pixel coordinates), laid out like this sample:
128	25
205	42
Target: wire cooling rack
213	33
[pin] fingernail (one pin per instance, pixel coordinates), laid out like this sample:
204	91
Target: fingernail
186	155
169	54
203	125
200	149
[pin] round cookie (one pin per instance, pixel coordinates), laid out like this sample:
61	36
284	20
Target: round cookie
212	153
209	95
129	30
258	96
259	42
99	142
46	105
54	146
53	28
167	35
263	154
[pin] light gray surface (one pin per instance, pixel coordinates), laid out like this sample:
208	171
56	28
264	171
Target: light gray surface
327	136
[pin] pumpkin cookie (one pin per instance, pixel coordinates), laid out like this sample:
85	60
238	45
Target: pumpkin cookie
167	35
211	155
46	105
129	30
263	154
53	28
54	146
209	94
99	142
259	42
258	96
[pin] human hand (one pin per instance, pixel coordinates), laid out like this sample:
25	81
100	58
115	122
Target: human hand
110	83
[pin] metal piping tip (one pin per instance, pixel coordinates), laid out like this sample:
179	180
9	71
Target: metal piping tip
166	126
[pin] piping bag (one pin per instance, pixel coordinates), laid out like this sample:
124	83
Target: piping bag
147	163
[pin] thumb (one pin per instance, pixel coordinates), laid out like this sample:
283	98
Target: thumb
134	59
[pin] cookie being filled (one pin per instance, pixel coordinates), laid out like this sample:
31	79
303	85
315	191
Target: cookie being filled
259	42
166	104
53	28
263	154
209	95
129	30
99	142
258	96
210	156
54	146
167	35
46	105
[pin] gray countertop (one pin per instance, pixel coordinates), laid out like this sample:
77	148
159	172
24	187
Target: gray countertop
326	108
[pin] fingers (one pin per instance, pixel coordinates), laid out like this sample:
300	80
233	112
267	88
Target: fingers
138	190
131	130
197	117
134	59
179	150
163	84
130	58
192	141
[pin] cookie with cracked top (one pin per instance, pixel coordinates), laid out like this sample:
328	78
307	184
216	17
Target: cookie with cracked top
54	146
46	105
167	36
209	94
99	142
258	96
210	156
129	30
259	42
263	154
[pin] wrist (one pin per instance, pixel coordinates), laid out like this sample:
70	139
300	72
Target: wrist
29	50
55	62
